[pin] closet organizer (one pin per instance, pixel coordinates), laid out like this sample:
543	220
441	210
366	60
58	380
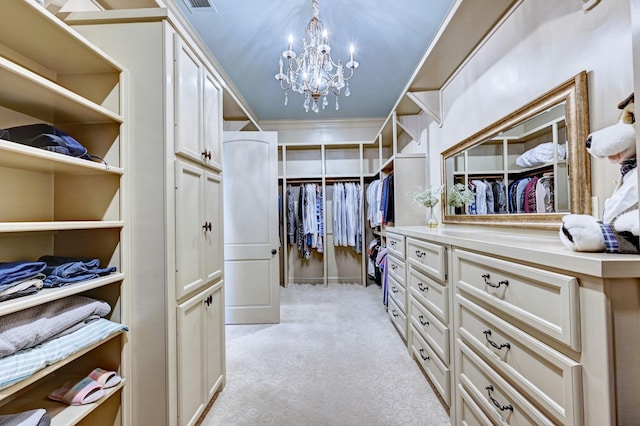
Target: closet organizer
61	206
178	358
321	187
344	257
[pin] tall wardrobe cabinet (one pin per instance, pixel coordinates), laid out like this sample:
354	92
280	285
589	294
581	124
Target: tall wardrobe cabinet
178	360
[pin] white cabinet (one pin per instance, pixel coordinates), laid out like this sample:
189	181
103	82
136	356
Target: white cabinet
176	210
197	98
198	227
54	204
200	363
521	321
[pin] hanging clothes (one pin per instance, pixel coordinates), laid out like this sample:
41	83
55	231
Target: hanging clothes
291	216
347	210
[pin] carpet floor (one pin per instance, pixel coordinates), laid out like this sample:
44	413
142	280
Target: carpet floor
335	359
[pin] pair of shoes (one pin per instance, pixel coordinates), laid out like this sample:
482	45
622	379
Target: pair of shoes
88	390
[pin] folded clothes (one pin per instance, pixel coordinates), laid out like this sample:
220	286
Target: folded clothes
25	363
26	418
540	154
32	326
23	288
62	270
12	272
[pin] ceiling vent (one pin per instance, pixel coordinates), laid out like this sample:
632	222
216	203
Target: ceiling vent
200	5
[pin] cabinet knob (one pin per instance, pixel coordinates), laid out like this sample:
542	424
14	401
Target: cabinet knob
207	226
274	251
206	154
394	313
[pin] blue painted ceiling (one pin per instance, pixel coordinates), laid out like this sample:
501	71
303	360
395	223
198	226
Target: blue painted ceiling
390	38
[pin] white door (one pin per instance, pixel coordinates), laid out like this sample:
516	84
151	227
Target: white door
251	266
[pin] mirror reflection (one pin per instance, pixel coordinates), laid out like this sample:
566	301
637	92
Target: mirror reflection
527	169
520	170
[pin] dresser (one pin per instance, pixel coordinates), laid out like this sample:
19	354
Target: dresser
397	288
513	328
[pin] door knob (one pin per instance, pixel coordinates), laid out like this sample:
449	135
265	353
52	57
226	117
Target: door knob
274	251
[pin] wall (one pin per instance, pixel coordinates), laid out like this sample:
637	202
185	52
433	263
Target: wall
541	44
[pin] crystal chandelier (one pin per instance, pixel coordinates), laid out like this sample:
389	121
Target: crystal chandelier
313	73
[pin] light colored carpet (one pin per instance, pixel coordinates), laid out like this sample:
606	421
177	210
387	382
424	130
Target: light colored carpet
335	359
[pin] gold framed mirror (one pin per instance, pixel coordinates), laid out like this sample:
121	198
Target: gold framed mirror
529	168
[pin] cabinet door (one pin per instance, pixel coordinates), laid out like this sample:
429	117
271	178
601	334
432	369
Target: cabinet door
214	341
188	101
212	121
191	358
189	228
213	242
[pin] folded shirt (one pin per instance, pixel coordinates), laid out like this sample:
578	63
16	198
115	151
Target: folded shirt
13	272
541	154
32	326
36	417
62	270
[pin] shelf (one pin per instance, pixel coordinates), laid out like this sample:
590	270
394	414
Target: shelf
38	35
50	294
16	156
11	390
59	226
31	94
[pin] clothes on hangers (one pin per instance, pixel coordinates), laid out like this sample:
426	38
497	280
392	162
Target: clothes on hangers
347	210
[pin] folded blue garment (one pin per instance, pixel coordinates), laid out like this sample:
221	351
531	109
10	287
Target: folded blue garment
11	272
61	270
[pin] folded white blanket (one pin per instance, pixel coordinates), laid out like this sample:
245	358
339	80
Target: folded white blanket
30	327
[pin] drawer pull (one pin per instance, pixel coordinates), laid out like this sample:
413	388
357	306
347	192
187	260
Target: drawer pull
488	282
423	287
499	406
422	321
394	267
423	356
394	313
394	290
420	254
393	243
487	333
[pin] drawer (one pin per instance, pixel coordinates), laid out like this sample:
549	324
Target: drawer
428	292
544	300
438	373
432	330
468	412
396	269
398	293
431	258
398	318
395	244
546	376
502	403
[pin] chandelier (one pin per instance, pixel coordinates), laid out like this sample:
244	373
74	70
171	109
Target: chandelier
313	73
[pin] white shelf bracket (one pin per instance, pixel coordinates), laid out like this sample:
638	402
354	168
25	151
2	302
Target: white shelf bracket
429	102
